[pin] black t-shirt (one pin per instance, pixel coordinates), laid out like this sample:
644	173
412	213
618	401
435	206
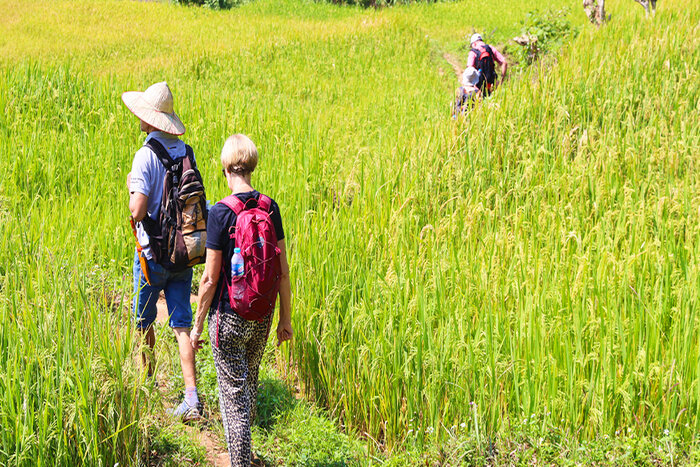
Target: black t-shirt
221	217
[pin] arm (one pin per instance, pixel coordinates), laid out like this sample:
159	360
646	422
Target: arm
139	183
138	205
501	60
207	289
471	57
504	70
284	327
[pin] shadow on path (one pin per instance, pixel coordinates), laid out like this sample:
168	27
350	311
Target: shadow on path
289	431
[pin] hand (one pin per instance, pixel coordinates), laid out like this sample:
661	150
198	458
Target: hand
284	332
195	334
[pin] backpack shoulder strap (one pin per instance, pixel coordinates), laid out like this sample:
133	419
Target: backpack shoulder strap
160	152
189	153
234	204
264	202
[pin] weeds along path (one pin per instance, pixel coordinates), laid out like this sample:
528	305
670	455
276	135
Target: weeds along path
539	263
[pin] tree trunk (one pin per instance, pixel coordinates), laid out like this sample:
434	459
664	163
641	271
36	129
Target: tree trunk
595	10
649	6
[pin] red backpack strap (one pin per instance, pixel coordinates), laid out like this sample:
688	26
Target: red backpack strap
264	202
234	204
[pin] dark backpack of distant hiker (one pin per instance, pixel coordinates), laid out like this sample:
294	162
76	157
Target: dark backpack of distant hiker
253	290
178	237
485	64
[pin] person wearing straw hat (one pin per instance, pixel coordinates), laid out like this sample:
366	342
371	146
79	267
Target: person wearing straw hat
154	109
469	94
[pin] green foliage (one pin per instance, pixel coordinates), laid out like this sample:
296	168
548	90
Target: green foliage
213	4
525	447
543	32
274	399
305	436
379	3
171	445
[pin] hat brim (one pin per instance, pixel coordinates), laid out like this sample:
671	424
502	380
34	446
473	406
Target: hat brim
166	122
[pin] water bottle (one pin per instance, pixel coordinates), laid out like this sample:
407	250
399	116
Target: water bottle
237	272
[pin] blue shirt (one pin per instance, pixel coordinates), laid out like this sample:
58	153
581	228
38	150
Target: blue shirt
147	175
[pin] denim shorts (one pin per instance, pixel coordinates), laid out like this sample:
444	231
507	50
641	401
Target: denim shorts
176	286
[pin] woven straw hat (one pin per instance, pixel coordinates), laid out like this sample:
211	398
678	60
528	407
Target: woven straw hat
155	107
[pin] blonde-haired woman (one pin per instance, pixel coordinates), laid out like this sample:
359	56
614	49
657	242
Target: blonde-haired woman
241	342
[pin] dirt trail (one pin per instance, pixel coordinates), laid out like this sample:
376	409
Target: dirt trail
454	62
217	454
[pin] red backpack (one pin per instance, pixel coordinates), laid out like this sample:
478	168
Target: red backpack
254	233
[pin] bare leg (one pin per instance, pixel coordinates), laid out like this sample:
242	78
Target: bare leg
145	360
186	356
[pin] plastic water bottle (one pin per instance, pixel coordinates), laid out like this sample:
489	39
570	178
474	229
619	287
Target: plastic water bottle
237	271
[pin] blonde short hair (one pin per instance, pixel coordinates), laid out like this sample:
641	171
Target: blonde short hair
239	154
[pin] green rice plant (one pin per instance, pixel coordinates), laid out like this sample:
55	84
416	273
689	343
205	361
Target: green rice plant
537	260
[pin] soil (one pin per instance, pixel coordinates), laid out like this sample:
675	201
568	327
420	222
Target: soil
454	62
217	455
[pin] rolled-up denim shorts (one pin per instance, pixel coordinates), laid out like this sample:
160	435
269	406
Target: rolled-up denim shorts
175	285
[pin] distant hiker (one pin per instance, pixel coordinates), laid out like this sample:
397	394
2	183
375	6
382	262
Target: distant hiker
468	94
483	57
158	167
246	269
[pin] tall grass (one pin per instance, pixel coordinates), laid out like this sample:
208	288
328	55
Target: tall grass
540	261
537	259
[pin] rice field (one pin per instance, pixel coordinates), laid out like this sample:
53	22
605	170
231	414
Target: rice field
530	272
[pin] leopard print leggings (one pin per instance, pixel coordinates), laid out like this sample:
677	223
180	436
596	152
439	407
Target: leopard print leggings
237	361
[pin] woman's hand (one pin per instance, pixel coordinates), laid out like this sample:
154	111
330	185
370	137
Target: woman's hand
195	334
284	332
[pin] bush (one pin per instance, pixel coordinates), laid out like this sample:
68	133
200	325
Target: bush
213	4
379	3
541	33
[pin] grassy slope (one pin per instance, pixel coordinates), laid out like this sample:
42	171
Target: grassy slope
571	290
